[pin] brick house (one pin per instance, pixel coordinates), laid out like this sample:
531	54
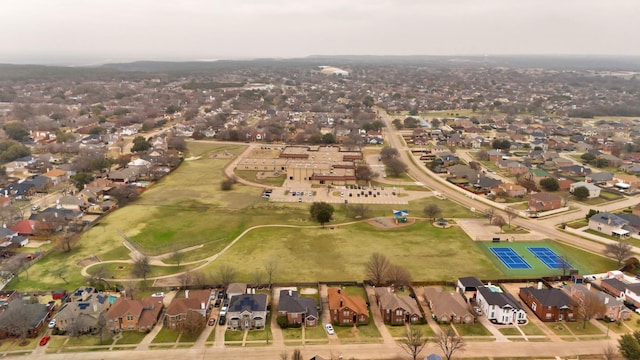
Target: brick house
195	301
549	304
614	307
544	201
448	306
33	315
134	315
397	309
247	311
510	190
346	309
298	310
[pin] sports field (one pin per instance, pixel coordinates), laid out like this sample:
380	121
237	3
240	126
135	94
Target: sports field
544	260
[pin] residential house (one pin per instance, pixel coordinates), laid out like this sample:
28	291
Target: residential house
500	307
632	181
247	311
134	315
615	287
485	184
469	283
594	191
549	304
298	310
633	220
82	316
510	190
346	309
575	170
20	312
57	176
33	227
538	174
599	178
614	307
515	168
610	224
195	301
448	306
69	202
397	309
544	201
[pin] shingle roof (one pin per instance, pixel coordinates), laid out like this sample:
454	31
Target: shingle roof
291	303
549	297
499	298
248	302
355	303
446	302
389	300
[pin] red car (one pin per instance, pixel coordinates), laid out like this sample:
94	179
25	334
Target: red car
212	321
44	340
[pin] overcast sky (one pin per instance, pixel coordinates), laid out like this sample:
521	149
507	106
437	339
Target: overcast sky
50	31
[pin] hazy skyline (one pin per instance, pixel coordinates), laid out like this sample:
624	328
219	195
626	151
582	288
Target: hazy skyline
82	32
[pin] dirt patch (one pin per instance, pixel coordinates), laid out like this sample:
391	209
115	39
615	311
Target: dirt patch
266	175
389	222
89	261
308	291
223	155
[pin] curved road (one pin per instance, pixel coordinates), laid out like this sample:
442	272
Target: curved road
547	227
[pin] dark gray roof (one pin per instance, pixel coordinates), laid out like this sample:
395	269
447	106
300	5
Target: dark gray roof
615	283
549	297
634	220
294	304
32	314
608	218
601	176
499	298
248	302
470	281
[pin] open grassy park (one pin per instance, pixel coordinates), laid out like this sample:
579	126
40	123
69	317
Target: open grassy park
188	209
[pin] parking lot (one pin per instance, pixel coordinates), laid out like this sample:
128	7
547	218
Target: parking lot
345	194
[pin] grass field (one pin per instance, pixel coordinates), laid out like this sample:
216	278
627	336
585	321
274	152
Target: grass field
187	208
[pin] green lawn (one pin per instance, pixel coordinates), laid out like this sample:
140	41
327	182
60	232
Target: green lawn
531	329
292	334
166	336
251	175
131	337
510	331
317	332
187	337
475	329
232	335
340	253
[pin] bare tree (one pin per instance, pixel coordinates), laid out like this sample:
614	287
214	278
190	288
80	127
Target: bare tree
226	275
377	268
193	322
399	275
14	320
432	211
499	221
61	273
618	250
490	213
185	279
284	356
270	269
177	256
414	342
396	167
590	306
258	277
610	352
511	214
141	266
449	343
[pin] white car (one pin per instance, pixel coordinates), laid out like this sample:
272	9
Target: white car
52	324
158	294
329	329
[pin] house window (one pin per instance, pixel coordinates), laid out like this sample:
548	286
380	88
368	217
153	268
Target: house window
345	313
548	316
534	306
129	317
399	312
130	327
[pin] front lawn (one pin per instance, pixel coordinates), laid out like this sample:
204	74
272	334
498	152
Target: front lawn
476	329
166	336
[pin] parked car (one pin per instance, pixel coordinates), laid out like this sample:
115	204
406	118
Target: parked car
212	321
52	323
44	340
329	328
158	294
217	303
35	208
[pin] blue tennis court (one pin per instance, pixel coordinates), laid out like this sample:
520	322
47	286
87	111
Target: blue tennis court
510	258
549	258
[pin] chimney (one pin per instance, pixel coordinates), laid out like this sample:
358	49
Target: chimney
95	307
338	290
202	305
186	293
539	285
290	294
606	300
589	286
341	303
